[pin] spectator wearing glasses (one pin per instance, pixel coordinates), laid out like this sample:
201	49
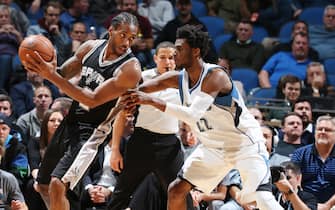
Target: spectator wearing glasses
317	163
291	195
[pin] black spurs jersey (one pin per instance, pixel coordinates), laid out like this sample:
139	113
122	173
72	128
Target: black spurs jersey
94	72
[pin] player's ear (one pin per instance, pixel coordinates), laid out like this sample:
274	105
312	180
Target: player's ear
196	52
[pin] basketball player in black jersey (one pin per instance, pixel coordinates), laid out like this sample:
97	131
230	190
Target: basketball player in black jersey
107	69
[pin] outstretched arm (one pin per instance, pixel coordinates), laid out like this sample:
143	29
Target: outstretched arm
127	78
216	82
162	82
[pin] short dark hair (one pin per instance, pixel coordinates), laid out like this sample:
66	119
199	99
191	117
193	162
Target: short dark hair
289	78
300	100
124	17
300	21
54	4
4	97
288	165
164	44
300	34
195	37
288	115
246	21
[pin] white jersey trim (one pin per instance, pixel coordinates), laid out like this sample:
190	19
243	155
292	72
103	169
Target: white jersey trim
99	43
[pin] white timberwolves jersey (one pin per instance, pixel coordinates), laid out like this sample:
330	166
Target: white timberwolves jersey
227	124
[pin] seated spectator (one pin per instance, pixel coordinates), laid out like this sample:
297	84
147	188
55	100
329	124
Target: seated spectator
322	37
231	11
144	43
78	35
101	9
291	195
36	150
299	26
289	90
273	14
184	16
269	135
158	12
50	27
317	163
23	92
78	12
30	122
292	129
6	108
242	51
303	108
284	63
14	159
10	39
299	5
17	16
11	195
316	82
63	104
257	114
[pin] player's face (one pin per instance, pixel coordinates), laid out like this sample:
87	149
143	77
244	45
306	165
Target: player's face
164	59
54	121
183	54
122	37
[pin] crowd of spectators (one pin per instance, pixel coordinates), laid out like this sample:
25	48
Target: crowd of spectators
31	108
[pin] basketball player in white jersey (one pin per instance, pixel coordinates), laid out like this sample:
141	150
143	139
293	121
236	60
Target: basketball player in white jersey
213	107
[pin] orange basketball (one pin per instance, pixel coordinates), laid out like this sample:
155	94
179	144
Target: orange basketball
38	43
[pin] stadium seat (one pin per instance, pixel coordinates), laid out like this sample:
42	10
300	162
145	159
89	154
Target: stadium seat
312	15
247	76
261	96
330	70
285	32
214	25
259	34
219	40
199	9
